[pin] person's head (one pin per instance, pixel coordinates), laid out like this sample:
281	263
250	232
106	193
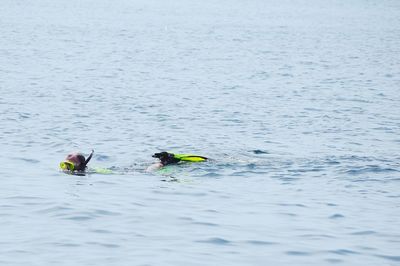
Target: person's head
165	157
75	162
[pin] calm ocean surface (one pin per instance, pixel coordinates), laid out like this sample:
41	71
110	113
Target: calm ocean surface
296	102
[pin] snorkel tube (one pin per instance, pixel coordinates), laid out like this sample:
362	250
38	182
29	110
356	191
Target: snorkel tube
88	158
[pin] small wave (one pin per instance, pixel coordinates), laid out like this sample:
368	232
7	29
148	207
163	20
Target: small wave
292	205
288	214
211	175
54	209
246	173
389	257
24	198
205	224
343	252
370	169
64	244
297	253
317	236
330	260
305	170
101	231
336	216
79	218
106	213
216	241
363	233
106	245
260	242
28	160
102	158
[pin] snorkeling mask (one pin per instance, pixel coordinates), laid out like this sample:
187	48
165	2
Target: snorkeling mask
68	165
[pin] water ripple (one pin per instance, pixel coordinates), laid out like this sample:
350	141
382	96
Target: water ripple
363	233
343	252
260	243
216	241
388	257
298	253
336	216
205	223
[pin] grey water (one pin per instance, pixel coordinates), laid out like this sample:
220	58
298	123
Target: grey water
297	103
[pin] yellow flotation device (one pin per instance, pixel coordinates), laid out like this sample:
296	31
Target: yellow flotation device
190	158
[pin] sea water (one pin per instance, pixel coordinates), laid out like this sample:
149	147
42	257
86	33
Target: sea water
297	104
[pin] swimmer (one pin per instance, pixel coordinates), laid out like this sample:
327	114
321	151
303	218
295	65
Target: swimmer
167	158
75	162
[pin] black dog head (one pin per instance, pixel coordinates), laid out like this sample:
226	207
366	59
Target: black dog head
165	157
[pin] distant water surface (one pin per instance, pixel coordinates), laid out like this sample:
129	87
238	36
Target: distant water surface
296	102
